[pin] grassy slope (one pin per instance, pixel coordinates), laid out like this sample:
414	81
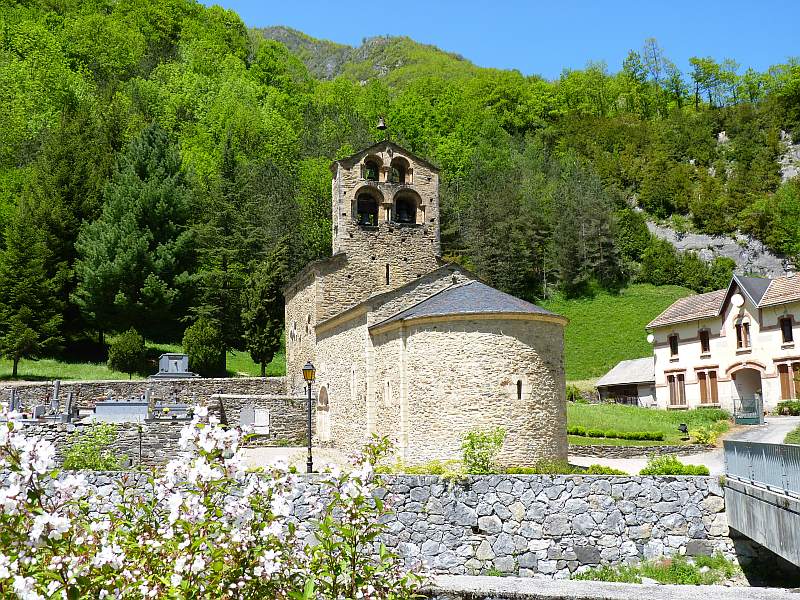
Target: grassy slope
609	328
632	418
793	437
239	364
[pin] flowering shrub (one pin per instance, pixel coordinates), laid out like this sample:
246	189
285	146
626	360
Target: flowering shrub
204	528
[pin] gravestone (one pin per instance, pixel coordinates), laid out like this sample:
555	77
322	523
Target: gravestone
173	366
38	411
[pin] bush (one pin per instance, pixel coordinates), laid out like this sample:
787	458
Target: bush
91	449
574	394
126	352
203	343
705	435
789	407
602	470
668	464
546	467
479	449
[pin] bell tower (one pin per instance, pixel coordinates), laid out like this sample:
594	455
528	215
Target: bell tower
385	216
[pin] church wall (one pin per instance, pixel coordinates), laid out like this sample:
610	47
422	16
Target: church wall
461	375
342	367
301	319
388	350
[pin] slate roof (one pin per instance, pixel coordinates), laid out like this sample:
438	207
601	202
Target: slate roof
637	370
356	156
753	286
691	308
472	297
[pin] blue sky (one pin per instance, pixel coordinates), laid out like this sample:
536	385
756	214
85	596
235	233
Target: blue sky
546	37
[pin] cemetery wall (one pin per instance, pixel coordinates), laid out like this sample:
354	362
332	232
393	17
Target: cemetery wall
194	390
539	525
153	445
288	416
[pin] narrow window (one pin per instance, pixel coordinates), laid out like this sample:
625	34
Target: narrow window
705	345
673	345
702	380
712	384
681	389
519	389
398	174
786	330
387	273
672	389
746	334
786	387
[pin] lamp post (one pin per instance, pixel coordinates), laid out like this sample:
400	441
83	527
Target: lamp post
308	375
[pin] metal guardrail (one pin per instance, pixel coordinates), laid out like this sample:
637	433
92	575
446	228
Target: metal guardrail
772	466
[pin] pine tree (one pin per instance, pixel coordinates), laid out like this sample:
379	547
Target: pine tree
30	314
134	259
262	308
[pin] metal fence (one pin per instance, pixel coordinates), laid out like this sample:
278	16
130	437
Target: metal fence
773	466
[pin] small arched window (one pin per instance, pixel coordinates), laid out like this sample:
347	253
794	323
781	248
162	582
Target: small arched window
399	170
371	170
405	210
322	400
519	389
367	210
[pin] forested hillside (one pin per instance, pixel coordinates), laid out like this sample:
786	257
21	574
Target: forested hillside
164	167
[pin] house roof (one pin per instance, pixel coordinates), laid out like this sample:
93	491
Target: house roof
782	290
349	160
690	308
637	370
472	297
760	291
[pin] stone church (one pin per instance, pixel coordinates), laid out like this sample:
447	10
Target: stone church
409	346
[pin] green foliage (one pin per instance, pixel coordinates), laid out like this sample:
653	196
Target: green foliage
574	394
793	437
668	464
675	570
479	449
262	308
789	407
708	434
92	449
126	352
610	433
29	309
626	419
203	343
607	328
602	470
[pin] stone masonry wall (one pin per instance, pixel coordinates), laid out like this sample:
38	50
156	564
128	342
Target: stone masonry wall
197	389
287	414
537	525
159	441
631	451
461	375
300	320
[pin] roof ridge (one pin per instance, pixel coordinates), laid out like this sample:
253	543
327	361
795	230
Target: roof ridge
766	291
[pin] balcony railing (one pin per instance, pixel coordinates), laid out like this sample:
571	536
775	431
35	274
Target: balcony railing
772	466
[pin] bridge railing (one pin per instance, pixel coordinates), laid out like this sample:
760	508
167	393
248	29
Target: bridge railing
772	466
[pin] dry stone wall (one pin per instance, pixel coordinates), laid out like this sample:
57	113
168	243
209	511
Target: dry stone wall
537	526
196	390
600	451
288	415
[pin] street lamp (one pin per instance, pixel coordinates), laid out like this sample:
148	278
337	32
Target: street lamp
308	375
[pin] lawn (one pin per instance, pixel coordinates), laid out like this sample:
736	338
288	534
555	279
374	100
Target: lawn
608	328
239	364
632	418
793	437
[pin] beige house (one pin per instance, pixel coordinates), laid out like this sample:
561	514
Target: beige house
409	346
733	348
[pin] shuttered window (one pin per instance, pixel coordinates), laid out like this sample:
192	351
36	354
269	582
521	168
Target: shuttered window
702	380
796	379
786	387
712	385
677	389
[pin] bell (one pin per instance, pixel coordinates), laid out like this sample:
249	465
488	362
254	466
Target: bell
381	124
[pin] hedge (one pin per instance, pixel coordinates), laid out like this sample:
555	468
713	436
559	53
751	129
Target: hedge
656	436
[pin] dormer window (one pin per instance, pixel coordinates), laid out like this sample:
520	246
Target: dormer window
705	342
673	345
786	330
742	335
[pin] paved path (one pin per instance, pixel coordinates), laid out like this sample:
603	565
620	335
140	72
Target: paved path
293	456
773	431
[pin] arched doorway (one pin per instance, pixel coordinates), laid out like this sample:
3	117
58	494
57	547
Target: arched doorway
748	399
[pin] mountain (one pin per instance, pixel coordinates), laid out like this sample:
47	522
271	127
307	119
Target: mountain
395	59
